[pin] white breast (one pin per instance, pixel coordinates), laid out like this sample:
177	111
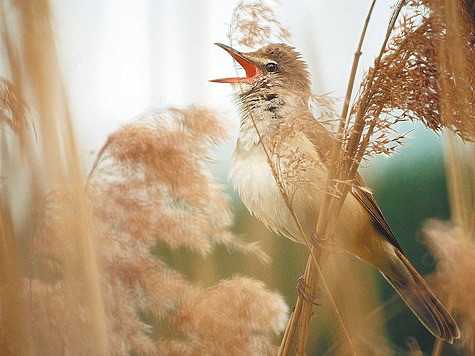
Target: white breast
298	164
257	187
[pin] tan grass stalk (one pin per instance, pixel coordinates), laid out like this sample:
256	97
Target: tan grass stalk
330	206
61	159
354	68
10	288
37	73
14	327
459	165
352	287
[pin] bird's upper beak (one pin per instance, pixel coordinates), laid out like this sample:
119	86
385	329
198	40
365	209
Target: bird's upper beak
249	67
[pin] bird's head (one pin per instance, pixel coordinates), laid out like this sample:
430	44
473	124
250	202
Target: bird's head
275	67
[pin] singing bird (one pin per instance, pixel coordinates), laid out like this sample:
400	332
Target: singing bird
274	107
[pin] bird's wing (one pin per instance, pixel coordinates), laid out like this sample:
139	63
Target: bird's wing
362	193
323	142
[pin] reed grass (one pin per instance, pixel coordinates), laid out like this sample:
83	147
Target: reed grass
81	260
85	264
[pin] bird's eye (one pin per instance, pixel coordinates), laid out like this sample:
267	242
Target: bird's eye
271	67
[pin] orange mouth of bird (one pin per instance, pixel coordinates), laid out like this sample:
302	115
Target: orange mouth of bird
250	68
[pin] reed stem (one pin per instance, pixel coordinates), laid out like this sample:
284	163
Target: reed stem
329	209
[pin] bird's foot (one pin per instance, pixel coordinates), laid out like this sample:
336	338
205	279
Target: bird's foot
302	291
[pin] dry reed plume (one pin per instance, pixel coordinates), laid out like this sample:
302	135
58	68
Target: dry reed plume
80	271
455	275
151	185
255	24
420	78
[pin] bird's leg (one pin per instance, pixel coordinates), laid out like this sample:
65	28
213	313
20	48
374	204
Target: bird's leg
302	288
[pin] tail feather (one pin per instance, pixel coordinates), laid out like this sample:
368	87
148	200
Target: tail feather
421	300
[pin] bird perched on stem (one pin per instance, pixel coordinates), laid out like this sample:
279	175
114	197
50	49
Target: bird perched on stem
282	148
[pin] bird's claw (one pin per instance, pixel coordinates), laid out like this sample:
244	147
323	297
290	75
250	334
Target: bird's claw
302	288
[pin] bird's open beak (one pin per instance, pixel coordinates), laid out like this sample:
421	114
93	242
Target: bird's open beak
250	68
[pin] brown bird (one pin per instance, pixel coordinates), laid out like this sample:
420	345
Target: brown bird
275	95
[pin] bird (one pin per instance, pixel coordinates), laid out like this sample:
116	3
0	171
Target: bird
278	128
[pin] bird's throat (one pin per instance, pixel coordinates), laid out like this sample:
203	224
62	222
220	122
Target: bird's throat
262	115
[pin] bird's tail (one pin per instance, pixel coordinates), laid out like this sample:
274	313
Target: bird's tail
420	299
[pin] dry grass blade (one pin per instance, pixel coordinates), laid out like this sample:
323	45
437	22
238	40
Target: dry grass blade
14	329
460	170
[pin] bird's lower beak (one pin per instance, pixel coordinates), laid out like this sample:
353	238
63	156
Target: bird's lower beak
250	68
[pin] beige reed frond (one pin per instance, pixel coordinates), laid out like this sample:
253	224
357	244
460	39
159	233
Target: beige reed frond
151	186
454	252
233	324
154	186
13	109
419	75
254	24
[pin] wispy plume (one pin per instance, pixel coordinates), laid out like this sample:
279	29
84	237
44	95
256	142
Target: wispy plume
454	252
233	324
418	76
152	185
255	24
13	110
160	166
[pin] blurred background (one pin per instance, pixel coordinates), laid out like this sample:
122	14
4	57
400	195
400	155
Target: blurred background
122	58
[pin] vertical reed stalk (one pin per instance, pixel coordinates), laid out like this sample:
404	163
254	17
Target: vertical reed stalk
460	183
59	146
52	157
15	327
311	278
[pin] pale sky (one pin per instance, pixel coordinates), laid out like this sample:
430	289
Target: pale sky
121	58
